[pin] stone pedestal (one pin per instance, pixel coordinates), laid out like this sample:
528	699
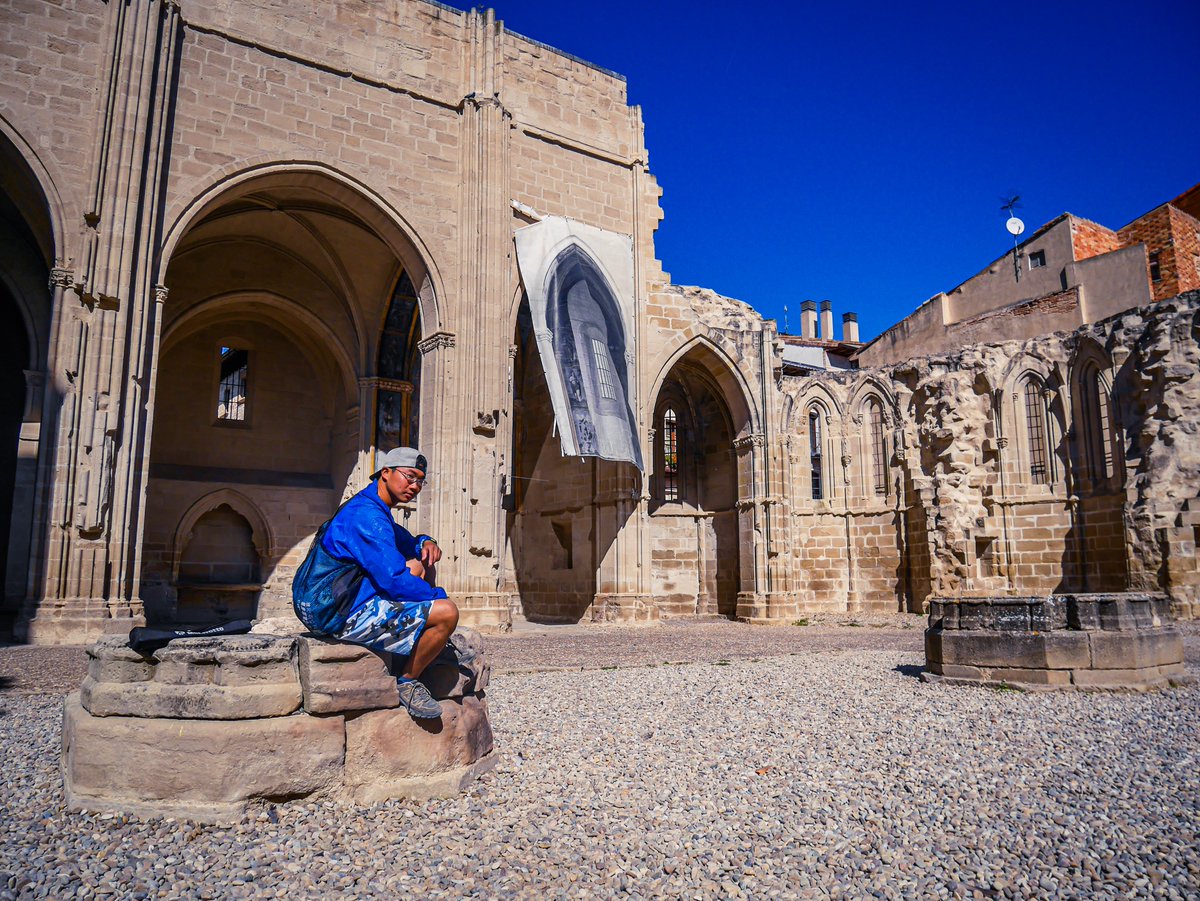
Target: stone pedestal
1121	640
207	725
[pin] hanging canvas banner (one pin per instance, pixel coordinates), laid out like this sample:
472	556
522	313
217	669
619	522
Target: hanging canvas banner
579	280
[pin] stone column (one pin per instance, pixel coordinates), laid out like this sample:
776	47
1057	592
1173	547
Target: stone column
106	341
753	529
621	514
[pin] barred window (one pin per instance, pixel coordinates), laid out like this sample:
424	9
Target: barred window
231	391
603	369
1035	427
670	469
878	450
815	457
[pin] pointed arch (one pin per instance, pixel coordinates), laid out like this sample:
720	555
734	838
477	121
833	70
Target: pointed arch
239	503
1096	450
734	389
231	182
49	209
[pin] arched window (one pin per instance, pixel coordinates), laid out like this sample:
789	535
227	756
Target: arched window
1097	425
675	448
396	406
670	456
815	452
1037	432
879	467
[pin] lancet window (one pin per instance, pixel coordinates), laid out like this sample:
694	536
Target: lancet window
879	467
670	456
397	413
1097	425
1037	432
816	441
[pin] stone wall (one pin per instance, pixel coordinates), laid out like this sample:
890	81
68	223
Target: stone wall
976	515
207	175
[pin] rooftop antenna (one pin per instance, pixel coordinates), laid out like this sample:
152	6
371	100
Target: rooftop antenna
1015	227
786	330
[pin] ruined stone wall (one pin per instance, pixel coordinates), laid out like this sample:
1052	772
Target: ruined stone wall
1002	500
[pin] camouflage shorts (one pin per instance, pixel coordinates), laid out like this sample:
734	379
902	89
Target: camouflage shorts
383	625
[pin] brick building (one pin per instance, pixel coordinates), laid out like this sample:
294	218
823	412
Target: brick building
277	240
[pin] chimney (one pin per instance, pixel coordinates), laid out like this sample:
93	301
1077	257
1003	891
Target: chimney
850	328
808	319
827	320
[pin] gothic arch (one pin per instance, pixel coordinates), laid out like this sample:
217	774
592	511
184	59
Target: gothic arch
315	338
734	389
41	173
231	182
871	385
264	541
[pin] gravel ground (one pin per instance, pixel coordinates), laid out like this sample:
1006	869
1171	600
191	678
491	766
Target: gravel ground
761	762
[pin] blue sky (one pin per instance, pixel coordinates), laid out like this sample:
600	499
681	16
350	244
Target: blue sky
857	152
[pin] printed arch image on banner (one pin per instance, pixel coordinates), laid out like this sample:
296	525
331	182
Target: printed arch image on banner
579	281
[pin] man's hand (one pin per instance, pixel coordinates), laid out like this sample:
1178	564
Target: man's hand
430	552
417	568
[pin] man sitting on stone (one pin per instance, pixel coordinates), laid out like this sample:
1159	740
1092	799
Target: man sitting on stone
397	609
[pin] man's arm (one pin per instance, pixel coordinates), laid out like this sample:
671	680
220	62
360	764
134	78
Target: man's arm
421	547
371	540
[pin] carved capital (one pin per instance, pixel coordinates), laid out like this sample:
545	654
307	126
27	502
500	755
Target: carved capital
756	440
513	350
1002	442
61	278
435	341
160	293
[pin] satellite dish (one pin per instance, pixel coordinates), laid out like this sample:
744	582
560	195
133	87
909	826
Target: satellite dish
1015	226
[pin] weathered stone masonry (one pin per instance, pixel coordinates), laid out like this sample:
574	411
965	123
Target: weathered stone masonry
327	195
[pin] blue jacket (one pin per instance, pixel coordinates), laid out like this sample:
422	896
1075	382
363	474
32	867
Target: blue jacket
365	532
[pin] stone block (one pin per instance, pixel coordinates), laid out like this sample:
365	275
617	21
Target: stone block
1115	614
461	668
1136	650
1042	650
389	754
202	702
1148	677
1011	616
1049	614
226	678
118	663
204	768
1083	613
227	660
974	615
954	671
1022	676
337	676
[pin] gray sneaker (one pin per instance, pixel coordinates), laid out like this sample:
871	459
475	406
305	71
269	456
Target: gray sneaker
416	699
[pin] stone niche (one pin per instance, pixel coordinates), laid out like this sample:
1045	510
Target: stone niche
207	726
1084	641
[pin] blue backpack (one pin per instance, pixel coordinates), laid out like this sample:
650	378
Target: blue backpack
324	588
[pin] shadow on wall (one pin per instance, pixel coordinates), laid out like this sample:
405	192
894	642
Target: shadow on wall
551	521
219	571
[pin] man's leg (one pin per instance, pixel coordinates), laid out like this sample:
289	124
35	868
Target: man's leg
443	619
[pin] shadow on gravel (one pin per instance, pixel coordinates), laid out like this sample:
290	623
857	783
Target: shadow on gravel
912	670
